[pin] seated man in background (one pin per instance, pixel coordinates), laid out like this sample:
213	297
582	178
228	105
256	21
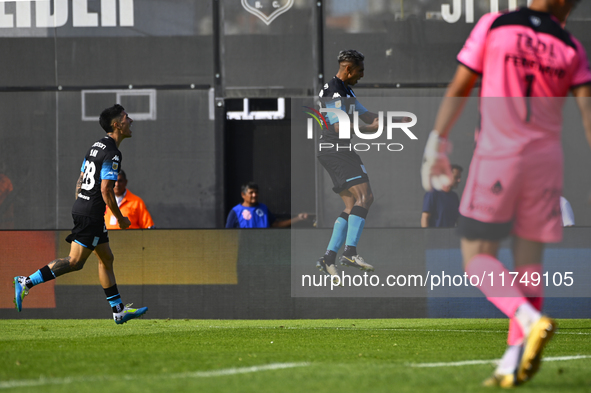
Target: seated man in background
441	208
252	214
131	206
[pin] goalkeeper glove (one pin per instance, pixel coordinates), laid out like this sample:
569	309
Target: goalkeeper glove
436	170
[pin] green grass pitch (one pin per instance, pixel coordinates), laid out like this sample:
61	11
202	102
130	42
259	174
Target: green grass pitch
376	355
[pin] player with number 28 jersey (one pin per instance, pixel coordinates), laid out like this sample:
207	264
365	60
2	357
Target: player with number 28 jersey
94	191
102	161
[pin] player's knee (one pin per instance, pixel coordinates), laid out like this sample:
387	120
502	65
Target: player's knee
77	264
370	199
366	200
108	261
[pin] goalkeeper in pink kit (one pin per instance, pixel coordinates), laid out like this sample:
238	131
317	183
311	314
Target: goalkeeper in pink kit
528	64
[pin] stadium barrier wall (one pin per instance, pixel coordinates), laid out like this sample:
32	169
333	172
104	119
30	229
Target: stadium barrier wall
184	60
230	274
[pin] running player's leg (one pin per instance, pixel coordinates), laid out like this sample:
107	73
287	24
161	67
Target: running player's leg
527	262
503	374
85	235
527	255
363	198
490	211
533	217
121	314
75	261
480	259
537	221
107	276
105	265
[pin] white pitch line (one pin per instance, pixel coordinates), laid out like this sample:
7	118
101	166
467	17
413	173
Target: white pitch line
379	329
559	358
454	364
234	371
492	361
195	374
361	329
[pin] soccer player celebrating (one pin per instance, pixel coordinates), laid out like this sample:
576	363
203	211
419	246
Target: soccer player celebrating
344	165
94	191
515	179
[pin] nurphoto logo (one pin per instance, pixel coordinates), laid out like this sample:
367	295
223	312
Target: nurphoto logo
394	120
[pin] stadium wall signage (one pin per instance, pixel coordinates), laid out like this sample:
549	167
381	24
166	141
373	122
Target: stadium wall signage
267	10
41	14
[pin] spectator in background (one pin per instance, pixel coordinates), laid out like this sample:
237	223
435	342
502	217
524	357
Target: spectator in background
441	208
131	206
252	214
568	217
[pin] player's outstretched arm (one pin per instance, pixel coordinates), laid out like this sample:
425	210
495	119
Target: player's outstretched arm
287	223
109	198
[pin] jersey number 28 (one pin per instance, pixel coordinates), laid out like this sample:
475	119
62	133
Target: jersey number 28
88	179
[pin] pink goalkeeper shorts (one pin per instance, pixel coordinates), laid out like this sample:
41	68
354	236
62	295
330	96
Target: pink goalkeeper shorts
523	189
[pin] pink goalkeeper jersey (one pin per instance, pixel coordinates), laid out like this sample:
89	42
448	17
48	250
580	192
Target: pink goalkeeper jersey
528	64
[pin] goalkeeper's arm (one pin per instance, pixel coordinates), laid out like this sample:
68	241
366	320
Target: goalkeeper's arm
455	97
435	170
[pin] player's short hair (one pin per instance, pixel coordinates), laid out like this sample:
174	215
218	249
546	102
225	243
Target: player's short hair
249	186
351	55
456	166
108	115
123	175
